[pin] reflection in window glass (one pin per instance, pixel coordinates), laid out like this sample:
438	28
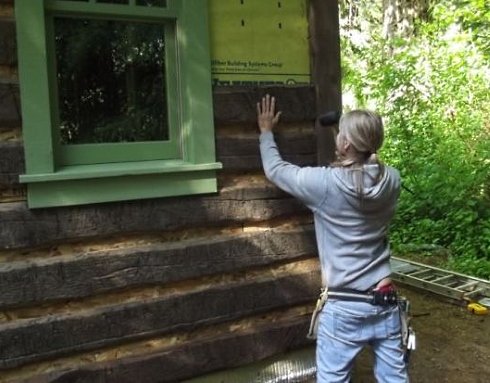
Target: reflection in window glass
111	81
156	3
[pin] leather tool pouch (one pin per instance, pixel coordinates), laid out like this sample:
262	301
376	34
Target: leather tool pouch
408	334
385	296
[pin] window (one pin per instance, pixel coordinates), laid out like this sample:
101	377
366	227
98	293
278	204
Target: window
116	100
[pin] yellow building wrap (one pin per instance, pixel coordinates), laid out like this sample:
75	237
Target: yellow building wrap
256	42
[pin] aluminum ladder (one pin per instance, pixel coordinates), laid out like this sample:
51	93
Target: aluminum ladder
449	284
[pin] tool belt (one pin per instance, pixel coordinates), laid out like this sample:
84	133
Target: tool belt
384	296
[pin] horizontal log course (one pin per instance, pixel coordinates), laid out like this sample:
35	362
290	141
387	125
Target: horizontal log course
9	181
229	350
289	144
82	275
234	152
239	104
231	105
27	341
11	163
11	166
12	192
8	46
22	227
10	114
243	152
249	163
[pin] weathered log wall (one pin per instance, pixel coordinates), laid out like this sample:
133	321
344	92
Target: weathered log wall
11	158
165	289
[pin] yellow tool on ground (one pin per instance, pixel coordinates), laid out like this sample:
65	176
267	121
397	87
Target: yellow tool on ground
477	308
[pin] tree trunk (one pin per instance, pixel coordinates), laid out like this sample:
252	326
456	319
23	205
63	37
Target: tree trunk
399	17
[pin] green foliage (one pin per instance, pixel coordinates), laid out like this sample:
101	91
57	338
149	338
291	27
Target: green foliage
472	15
432	89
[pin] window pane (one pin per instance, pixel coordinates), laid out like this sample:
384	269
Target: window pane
156	3
111	81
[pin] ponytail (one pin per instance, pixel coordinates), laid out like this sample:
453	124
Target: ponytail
364	131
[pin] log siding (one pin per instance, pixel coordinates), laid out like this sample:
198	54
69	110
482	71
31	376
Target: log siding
230	279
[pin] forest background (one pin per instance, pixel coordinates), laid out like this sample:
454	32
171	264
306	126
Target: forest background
424	65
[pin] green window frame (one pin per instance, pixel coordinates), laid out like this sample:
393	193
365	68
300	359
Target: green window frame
62	175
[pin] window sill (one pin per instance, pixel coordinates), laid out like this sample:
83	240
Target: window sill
76	172
87	184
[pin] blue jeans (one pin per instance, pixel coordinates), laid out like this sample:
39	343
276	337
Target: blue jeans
345	327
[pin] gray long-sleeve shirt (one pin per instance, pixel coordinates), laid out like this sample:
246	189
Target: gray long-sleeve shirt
351	236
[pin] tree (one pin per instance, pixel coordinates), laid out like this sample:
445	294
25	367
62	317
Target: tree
429	77
400	17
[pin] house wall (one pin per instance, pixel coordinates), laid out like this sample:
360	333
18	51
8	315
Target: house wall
165	289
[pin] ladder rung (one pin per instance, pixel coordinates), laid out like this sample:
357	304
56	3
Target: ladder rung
421	271
453	284
404	269
474	292
439	279
466	285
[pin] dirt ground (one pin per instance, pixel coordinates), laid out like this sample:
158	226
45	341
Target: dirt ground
453	345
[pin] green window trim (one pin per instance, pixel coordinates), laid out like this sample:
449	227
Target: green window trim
57	175
79	154
121	188
118	169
